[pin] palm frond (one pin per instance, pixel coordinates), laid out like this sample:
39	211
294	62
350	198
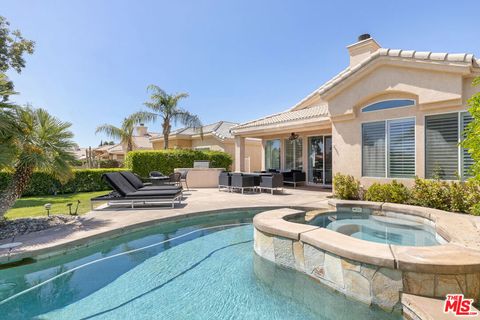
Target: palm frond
111	131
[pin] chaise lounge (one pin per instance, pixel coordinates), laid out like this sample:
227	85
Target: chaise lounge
126	193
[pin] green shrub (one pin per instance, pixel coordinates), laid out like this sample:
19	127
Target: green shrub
110	163
390	192
42	183
432	194
165	161
346	187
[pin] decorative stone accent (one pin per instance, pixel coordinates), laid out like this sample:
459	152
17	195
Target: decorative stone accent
314	259
473	286
419	283
283	250
386	288
449	284
357	285
299	257
264	245
368	271
333	270
348	264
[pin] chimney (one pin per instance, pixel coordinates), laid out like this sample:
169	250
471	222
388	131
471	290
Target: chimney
362	49
141	130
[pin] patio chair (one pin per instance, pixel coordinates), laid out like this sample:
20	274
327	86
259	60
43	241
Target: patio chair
224	181
242	181
183	177
294	177
175	179
125	193
139	185
271	182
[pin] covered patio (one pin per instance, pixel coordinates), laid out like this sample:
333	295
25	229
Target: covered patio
292	140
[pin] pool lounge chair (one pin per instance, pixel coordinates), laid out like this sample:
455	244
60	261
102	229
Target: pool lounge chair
137	183
125	193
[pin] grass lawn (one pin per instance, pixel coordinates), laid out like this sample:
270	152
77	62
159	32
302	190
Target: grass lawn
33	206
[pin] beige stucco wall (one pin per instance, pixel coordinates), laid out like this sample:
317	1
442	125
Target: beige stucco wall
213	143
433	92
173	143
428	86
253	154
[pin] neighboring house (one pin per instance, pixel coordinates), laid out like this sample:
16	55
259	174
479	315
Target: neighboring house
391	114
216	136
141	141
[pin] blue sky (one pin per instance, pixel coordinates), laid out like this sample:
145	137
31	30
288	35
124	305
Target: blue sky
238	59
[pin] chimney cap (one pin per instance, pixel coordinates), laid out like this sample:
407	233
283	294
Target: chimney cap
364	36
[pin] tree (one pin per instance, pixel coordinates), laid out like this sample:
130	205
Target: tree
472	132
125	132
165	106
38	141
13	46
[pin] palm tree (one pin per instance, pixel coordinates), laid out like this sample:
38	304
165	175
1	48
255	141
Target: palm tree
165	106
36	141
125	132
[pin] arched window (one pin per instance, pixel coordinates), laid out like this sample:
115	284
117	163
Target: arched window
388	104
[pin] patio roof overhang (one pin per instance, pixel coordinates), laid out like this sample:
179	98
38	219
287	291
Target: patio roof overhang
289	121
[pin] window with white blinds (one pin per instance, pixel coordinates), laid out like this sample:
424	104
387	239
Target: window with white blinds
373	149
441	144
401	148
293	154
444	158
467	160
388	148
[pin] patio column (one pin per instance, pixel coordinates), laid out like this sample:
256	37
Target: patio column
263	155
239	154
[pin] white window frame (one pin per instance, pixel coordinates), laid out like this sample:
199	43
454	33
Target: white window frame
387	165
395	108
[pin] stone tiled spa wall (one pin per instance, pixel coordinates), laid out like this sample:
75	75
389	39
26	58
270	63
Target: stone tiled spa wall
364	282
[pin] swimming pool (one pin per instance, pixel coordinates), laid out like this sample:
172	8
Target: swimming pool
377	228
199	268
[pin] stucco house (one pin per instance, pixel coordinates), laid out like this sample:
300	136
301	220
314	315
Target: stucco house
141	141
217	137
391	114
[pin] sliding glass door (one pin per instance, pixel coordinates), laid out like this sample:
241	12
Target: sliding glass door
320	160
272	154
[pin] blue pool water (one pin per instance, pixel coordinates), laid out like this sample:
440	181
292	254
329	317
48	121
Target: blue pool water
381	229
207	274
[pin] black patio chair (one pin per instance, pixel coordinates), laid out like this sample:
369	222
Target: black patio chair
224	181
242	181
271	182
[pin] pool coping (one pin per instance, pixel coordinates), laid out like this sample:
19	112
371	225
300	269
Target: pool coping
45	252
460	255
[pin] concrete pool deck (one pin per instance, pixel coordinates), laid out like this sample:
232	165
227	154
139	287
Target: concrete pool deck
113	221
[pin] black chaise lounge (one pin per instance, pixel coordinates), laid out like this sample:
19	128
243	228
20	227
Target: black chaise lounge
126	193
139	185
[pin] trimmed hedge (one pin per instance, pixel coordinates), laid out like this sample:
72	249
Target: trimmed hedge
455	196
42	183
165	161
